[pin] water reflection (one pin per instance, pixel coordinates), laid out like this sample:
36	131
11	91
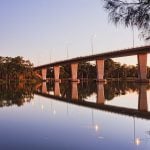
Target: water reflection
43	123
142	105
15	94
83	90
100	93
104	94
74	91
56	89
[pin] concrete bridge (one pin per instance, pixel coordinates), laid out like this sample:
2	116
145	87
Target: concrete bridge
141	112
140	52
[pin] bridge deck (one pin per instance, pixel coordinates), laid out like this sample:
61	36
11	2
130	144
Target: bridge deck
106	55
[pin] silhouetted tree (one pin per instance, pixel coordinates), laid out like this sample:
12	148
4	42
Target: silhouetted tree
130	13
15	69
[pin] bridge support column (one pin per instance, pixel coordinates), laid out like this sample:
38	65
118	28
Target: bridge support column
100	93
74	91
56	73
100	70
142	67
56	89
44	73
74	72
142	104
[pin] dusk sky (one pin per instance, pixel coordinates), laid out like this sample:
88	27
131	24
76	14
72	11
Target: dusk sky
42	30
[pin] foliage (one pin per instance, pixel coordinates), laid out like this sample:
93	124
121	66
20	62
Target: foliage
15	68
130	13
15	94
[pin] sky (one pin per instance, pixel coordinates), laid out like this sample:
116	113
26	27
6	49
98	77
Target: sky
45	31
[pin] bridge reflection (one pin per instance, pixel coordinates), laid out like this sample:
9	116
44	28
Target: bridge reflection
100	93
75	93
57	89
142	102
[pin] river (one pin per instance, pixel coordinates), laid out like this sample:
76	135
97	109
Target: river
75	116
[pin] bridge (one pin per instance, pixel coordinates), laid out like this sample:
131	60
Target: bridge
140	52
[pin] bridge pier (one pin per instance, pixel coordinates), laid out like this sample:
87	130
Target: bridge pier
100	93
74	91
142	102
100	70
74	72
56	89
56	73
44	73
142	67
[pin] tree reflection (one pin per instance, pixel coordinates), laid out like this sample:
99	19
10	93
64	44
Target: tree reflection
88	88
113	89
15	94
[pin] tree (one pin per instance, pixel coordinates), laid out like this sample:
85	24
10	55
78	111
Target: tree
15	69
130	13
84	70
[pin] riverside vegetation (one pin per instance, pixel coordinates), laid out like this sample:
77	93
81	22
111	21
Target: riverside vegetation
19	70
16	70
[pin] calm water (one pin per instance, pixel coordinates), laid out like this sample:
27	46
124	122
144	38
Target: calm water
75	116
